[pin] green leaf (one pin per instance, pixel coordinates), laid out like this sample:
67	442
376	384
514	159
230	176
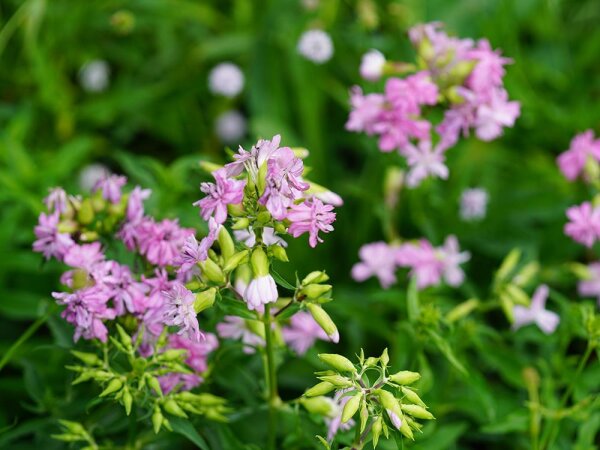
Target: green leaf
447	351
185	428
232	307
281	281
412	301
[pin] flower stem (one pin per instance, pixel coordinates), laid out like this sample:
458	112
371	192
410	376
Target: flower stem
550	433
270	372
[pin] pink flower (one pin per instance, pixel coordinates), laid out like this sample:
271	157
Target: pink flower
269	237
584	225
180	311
311	216
489	70
135	203
302	332
546	320
410	93
252	160
260	291
111	187
86	309
57	200
583	147
234	327
161	242
425	265
193	252
127	293
49	241
591	286
377	259
84	256
451	258
396	421
283	182
495	114
366	111
226	191
424	161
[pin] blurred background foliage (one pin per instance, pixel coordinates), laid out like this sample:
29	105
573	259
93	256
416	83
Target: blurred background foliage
155	121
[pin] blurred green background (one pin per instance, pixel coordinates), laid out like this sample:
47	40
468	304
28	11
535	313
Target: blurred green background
156	120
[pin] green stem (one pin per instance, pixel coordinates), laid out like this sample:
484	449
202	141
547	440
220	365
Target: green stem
550	432
273	397
24	337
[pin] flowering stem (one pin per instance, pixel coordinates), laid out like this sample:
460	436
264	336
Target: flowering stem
361	438
550	433
273	397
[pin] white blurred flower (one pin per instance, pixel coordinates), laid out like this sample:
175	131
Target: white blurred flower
94	75
310	5
230	126
91	174
371	65
226	79
473	204
316	46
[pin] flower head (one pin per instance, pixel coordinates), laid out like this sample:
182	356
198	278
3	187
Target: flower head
316	46
310	217
583	147
302	332
111	187
424	161
473	204
584	225
180	311
546	320
371	65
234	327
377	259
57	200
226	79
226	191
49	241
451	258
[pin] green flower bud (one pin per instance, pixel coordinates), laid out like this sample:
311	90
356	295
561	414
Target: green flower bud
364	416
315	290
280	228
236	210
412	396
337	380
351	407
90	359
209	167
388	401
226	243
338	362
385	359
526	274
324	321
73	427
317	405
127	400
241	224
205	299
376	430
462	310
259	263
157	419
125	338
509	263
279	253
371	361
172	407
261	180
320	389
173	354
212	271
154	384
315	277
113	386
263	217
405	377
85	215
417	411
518	295
405	428
235	260
67	226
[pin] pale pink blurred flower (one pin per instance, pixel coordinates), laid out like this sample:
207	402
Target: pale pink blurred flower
423	261
57	200
302	332
111	187
546	320
234	327
366	111
377	259
495	114
226	79
584	225
591	287
424	161
583	147
452	258
135	203
316	46
473	204
334	421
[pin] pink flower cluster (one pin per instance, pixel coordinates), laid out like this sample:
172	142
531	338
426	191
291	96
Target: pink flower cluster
584	148
281	190
462	77
584	224
428	265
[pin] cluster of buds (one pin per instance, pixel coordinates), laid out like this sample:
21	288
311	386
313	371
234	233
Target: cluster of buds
460	77
146	374
383	401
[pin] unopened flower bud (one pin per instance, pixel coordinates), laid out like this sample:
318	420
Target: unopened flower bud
157	419
405	428
388	401
417	411
376	430
226	243
174	354
385	359
235	260
279	252
236	209
508	264
90	359
396	421
205	299
324	321
85	215
280	228
172	407
338	362
317	405
263	217
412	396
113	386
241	224
127	400
320	389
212	271
154	384
351	407
261	178
337	380
259	263
315	277
462	310
364	416
125	338
405	377
315	290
